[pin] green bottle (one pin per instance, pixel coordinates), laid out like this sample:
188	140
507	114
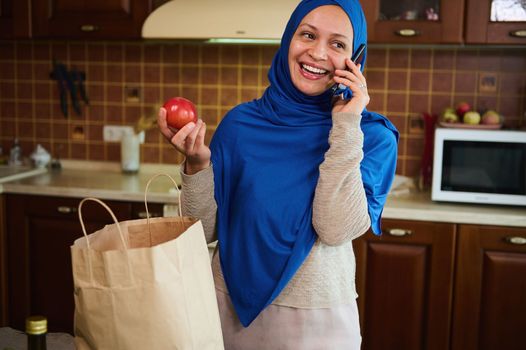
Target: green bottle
36	330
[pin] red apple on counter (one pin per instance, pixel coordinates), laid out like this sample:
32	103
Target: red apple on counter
462	108
490	117
472	118
179	112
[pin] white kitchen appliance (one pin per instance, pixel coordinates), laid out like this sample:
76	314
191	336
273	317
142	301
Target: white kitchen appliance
479	166
258	21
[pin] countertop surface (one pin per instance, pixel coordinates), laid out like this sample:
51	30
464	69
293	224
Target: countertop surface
419	206
106	181
102	180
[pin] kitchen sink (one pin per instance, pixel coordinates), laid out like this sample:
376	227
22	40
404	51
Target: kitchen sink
10	173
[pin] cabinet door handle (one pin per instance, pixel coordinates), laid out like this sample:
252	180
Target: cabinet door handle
66	210
517	240
399	232
89	28
144	215
407	32
521	33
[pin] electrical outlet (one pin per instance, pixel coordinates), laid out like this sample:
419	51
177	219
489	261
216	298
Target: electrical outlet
488	82
132	94
416	124
114	133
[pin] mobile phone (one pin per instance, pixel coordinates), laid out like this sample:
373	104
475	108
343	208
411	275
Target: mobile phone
357	58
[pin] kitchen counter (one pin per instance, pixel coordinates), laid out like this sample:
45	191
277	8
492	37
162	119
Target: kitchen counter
106	181
419	206
10	173
102	180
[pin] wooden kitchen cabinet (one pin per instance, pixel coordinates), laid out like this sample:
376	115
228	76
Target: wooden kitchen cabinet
405	21
94	19
15	19
3	264
481	29
404	280
40	231
490	289
139	210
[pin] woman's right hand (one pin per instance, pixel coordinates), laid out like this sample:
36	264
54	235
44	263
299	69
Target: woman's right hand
189	140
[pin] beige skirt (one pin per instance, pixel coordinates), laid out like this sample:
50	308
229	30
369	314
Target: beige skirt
283	328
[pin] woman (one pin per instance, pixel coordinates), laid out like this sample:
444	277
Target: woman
288	181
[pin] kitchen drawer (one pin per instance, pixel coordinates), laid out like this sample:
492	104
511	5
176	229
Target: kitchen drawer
60	207
139	210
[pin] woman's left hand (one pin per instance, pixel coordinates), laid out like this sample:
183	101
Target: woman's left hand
354	79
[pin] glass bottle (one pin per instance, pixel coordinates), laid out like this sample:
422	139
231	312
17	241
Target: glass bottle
15	154
36	330
3	159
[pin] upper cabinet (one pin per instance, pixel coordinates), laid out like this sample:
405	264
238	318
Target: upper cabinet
446	21
496	22
399	22
99	19
14	19
414	21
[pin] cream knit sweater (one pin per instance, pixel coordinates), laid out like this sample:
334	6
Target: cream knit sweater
326	278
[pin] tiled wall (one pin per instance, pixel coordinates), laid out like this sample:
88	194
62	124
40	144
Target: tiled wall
403	83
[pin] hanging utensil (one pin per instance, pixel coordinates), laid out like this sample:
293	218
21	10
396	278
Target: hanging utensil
58	75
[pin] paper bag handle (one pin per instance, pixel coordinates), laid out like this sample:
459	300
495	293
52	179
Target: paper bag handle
146	200
146	194
109	211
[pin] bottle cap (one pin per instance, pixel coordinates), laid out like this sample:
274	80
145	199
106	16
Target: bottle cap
36	325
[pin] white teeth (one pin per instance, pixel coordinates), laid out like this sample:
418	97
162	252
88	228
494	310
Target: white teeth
313	69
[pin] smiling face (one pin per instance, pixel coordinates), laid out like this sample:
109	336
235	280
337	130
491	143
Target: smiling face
320	45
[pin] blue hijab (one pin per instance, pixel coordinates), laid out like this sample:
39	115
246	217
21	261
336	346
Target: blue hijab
265	156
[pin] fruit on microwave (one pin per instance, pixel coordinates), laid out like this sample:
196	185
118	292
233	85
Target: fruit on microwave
490	117
472	118
449	115
179	112
462	108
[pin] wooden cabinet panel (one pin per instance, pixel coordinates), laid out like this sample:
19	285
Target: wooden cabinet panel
15	19
40	232
100	19
401	272
404	282
448	29
3	264
480	30
490	289
139	210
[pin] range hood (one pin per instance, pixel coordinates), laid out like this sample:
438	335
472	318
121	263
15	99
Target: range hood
220	20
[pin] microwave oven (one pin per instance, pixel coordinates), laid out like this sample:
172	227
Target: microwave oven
479	166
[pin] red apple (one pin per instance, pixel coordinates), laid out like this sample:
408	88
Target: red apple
462	108
179	112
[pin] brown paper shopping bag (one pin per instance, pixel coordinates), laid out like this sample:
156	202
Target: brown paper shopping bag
144	284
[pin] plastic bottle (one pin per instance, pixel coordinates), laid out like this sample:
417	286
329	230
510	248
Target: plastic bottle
130	152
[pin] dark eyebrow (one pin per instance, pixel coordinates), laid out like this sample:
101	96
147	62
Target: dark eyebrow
316	29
